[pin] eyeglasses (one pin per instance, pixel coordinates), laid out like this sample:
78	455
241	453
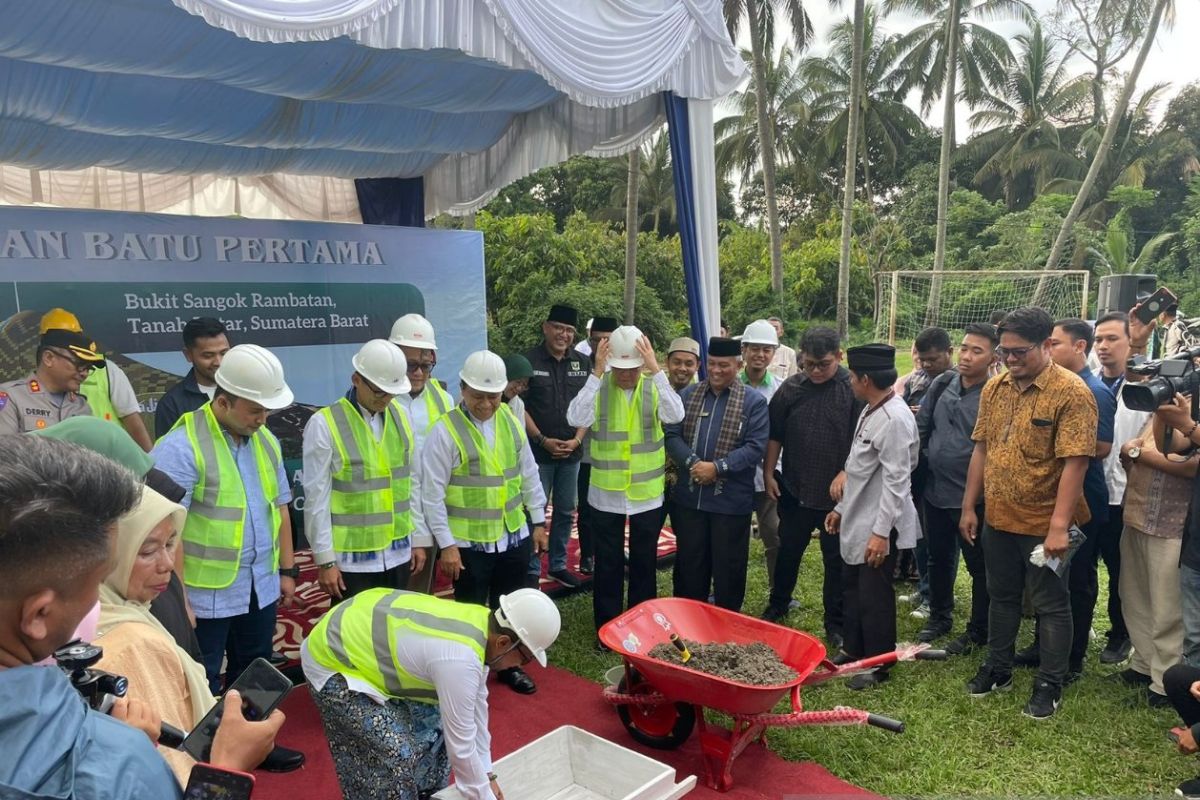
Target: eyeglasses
426	367
373	389
1018	353
526	654
79	364
817	366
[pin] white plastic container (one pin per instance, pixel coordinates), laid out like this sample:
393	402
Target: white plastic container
571	764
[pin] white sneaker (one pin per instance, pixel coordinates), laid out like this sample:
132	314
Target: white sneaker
912	598
920	612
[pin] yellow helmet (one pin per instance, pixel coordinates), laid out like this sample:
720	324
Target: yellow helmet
59	319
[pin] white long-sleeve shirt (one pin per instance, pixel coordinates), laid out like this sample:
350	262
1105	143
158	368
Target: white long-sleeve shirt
461	684
418	415
581	413
321	461
440	457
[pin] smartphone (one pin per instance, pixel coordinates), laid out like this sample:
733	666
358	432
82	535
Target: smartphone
210	783
262	688
1153	305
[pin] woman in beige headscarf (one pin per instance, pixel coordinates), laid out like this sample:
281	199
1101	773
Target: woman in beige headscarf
136	644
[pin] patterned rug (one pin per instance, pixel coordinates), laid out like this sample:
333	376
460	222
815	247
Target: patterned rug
293	624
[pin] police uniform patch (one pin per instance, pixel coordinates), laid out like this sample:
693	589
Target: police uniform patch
34	387
574	365
3	399
41	423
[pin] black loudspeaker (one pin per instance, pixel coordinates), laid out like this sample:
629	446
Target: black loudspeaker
1120	292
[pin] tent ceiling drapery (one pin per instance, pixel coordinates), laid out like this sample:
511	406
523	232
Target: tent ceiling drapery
471	94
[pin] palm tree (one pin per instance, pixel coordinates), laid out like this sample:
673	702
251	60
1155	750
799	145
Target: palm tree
940	50
1020	143
760	16
1113	254
656	185
1084	194
886	123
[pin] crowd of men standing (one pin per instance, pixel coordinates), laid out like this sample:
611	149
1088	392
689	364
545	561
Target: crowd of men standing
1017	456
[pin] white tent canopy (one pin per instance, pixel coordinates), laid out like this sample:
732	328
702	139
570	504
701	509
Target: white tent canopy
470	94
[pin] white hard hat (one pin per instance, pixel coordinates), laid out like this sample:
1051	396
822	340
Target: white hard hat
413	330
533	617
484	372
384	365
254	373
623	352
760	332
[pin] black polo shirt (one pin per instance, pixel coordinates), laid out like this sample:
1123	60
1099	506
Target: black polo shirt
554	384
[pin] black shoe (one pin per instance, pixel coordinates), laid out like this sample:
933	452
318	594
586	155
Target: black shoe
1116	651
1189	789
933	631
516	679
834	639
278	658
601	647
282	759
867	680
1028	657
988	680
773	614
1156	700
565	578
587	565
533	581
1043	702
1132	677
842	658
962	645
1072	675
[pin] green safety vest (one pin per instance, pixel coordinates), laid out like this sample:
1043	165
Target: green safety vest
626	441
358	637
370	505
483	496
96	390
212	535
437	402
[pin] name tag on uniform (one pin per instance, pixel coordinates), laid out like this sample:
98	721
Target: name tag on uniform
541	373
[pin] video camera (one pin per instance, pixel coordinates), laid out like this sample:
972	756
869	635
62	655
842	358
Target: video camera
1169	376
100	689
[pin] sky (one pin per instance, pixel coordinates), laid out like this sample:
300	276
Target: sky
1173	59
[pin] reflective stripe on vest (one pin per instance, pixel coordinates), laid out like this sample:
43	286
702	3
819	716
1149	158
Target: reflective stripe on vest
627	450
371	499
437	403
483	495
97	390
213	533
358	637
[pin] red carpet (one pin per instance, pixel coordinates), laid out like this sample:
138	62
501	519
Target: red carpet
561	699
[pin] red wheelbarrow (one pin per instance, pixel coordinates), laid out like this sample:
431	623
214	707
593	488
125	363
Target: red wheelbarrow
660	702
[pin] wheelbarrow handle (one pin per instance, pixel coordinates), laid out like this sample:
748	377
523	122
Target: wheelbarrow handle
932	655
887	723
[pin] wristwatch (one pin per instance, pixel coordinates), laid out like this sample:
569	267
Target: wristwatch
290	572
1133	453
327	565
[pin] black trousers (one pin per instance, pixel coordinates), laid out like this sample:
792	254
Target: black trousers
394	578
486	576
869	607
584	513
944	543
1084	585
796	524
609	579
1177	682
1110	551
712	551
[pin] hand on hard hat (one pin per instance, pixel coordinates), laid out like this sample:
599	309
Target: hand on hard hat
384	365
255	374
600	358
649	359
413	330
623	348
484	371
533	617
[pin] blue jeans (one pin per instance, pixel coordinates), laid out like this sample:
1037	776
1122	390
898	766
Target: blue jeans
1189	585
559	481
242	638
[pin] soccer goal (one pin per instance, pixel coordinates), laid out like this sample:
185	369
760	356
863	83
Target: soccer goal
911	300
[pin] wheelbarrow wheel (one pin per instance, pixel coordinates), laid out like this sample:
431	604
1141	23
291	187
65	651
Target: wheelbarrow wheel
664	726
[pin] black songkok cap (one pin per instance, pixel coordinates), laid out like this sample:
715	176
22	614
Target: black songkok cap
604	325
724	347
564	314
871	357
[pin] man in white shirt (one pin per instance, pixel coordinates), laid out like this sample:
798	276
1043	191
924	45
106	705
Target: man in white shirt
625	413
783	364
353	551
477	471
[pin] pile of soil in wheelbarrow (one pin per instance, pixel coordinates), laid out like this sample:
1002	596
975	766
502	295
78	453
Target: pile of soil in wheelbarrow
755	663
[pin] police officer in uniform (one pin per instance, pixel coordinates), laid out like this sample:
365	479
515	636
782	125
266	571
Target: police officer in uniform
237	542
51	393
362	500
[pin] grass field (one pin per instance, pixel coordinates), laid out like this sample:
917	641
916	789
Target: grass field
1104	741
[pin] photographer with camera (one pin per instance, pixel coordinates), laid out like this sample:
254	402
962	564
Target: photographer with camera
58	507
